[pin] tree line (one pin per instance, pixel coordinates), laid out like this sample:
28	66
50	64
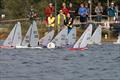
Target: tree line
20	8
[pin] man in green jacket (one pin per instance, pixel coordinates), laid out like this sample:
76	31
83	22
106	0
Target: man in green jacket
111	12
60	20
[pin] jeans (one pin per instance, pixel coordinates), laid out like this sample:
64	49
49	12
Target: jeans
83	18
50	28
69	29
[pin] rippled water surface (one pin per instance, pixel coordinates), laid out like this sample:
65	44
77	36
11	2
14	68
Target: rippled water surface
99	62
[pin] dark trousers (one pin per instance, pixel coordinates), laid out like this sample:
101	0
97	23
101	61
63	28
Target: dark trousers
69	29
83	19
98	18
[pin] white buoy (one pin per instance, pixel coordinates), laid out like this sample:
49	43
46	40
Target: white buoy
51	45
106	36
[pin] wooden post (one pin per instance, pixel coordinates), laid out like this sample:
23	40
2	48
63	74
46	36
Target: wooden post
90	3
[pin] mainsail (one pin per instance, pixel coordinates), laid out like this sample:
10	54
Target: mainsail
96	37
72	37
61	39
32	37
84	39
46	39
15	37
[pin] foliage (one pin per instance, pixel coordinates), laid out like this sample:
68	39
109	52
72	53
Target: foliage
20	8
36	1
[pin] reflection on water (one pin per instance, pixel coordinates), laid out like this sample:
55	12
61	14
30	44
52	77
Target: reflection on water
97	63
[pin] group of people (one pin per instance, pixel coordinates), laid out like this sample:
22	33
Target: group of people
112	12
64	18
66	15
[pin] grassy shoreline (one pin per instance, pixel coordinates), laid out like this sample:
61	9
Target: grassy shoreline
42	29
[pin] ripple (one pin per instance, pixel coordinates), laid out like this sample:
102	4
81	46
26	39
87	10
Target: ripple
99	62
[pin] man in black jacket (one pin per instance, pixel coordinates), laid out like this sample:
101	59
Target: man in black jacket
69	22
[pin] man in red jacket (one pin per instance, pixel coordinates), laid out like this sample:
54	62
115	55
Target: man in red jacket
49	10
65	9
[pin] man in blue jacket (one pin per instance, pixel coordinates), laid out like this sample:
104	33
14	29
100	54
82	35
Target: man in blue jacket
83	13
111	12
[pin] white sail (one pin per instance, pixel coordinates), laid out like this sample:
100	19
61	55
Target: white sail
18	36
96	37
47	38
86	38
83	37
61	39
118	40
32	37
72	37
9	39
15	37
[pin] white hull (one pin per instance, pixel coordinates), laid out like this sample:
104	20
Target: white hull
116	42
26	47
97	36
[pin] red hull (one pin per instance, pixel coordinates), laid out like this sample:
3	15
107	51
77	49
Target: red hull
6	47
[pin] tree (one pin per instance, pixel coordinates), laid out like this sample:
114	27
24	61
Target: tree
36	1
1	4
15	8
20	8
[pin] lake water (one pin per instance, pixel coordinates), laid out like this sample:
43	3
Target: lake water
99	62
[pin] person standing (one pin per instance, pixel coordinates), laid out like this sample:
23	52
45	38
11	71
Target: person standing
71	10
99	11
69	22
88	10
111	11
60	20
65	9
49	10
32	13
83	15
51	22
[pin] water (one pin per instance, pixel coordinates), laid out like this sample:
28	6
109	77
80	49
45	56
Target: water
99	62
